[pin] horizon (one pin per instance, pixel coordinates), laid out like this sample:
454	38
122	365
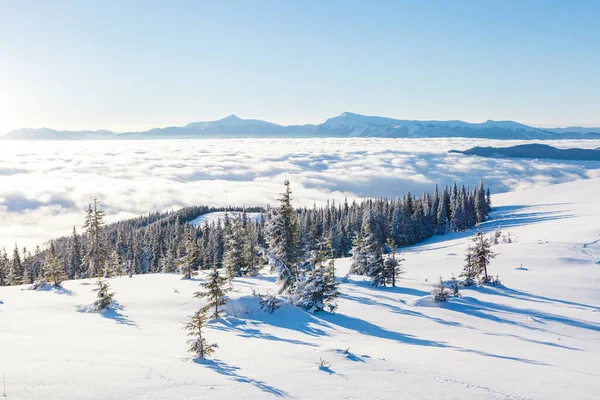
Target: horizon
75	65
281	124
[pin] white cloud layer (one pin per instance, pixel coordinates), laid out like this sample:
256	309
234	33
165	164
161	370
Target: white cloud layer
45	186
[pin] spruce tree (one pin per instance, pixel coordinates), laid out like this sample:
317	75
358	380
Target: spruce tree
215	288
392	266
4	267
234	261
283	236
469	272
482	255
113	266
53	271
104	298
75	263
198	344
318	289
97	254
189	261
439	293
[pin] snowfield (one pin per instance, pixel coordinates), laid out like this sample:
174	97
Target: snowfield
536	337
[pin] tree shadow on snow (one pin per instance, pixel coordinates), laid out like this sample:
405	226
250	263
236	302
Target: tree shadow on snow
484	310
115	313
54	289
247	330
232	372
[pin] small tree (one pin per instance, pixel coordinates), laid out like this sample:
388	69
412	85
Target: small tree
104	298
318	288
439	293
189	261
482	255
392	265
469	272
455	288
53	271
198	344
113	266
215	289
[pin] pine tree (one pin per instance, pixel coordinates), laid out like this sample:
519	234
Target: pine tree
4	267
113	266
392	266
233	259
104	298
198	344
75	263
15	271
215	288
469	272
482	255
189	261
439	293
283	236
53	271
96	255
318	288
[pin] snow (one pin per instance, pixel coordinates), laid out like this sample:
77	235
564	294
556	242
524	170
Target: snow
536	337
220	216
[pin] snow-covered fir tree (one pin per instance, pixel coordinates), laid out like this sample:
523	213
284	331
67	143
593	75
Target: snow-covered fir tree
392	266
104	297
198	345
75	267
317	288
54	273
215	289
439	293
189	261
113	266
469	272
97	252
234	261
4	267
283	238
482	255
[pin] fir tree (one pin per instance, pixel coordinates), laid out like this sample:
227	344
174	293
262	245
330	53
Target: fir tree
75	263
283	237
482	255
234	261
53	271
104	298
215	288
198	344
4	267
113	266
469	272
96	255
189	261
439	293
318	289
392	266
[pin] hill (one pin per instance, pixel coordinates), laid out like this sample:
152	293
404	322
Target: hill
535	337
538	151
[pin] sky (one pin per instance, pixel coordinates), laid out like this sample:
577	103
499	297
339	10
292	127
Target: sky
134	65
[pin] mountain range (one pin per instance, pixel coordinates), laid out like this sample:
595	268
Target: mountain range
344	125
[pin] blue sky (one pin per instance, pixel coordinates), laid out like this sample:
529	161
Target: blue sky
138	64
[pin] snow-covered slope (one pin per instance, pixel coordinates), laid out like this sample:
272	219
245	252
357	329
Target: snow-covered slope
536	337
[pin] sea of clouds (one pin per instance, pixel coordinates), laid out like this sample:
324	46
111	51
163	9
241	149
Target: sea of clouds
46	186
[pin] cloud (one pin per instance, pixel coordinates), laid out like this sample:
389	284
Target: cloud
46	186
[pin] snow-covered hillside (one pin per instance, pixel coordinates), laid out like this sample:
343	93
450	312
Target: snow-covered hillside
536	337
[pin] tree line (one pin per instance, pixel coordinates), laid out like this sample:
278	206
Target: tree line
167	242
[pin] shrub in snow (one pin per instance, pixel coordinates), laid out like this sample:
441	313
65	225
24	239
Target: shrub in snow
491	280
268	302
215	288
323	365
198	344
439	293
104	298
40	283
